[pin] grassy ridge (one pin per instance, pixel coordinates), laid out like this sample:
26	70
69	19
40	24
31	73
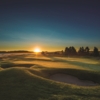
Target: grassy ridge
30	84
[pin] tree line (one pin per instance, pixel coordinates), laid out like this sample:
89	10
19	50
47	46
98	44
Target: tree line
71	51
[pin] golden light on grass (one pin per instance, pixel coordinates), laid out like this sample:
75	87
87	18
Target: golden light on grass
37	50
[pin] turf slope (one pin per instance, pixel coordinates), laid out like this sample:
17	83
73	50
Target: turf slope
34	84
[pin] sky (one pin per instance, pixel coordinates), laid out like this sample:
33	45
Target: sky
50	25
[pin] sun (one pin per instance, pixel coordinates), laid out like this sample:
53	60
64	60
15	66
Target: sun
37	50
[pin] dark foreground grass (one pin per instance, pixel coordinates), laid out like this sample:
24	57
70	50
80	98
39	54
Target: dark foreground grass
28	84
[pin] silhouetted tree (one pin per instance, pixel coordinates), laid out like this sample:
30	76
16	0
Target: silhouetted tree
67	51
70	51
81	51
95	51
74	51
87	50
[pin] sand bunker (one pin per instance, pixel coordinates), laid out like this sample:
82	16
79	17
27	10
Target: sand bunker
72	80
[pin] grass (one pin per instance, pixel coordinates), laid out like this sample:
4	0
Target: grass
22	84
32	83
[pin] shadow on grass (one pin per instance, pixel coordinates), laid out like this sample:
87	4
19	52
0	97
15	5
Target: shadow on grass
9	65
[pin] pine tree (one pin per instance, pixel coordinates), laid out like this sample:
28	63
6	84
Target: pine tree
95	51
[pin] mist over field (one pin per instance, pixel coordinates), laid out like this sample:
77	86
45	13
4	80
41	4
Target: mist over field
41	77
31	59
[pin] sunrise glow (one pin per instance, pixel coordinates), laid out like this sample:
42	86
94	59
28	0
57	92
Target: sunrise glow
37	50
